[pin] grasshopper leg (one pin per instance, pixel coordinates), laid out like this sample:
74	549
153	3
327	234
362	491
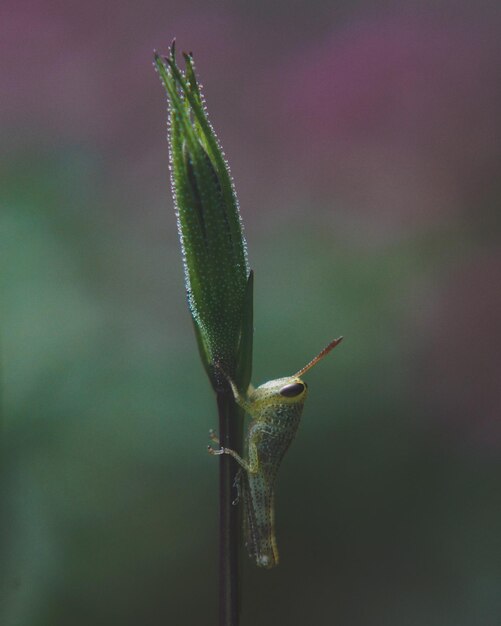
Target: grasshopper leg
235	455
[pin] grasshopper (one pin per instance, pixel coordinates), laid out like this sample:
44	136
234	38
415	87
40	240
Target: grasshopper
275	409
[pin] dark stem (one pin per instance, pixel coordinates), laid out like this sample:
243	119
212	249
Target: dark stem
229	529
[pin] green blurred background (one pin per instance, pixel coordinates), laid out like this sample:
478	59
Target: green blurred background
365	142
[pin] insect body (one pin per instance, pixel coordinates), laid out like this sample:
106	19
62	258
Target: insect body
275	408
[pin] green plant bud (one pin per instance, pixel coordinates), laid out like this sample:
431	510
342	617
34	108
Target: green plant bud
218	280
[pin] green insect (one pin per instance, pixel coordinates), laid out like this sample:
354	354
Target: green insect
275	408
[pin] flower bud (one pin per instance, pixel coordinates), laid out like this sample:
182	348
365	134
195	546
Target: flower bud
218	280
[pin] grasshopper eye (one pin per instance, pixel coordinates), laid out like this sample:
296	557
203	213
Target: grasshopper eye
292	390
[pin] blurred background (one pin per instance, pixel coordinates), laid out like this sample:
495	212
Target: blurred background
365	142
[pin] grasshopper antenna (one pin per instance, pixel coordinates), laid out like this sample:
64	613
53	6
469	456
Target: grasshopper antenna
319	357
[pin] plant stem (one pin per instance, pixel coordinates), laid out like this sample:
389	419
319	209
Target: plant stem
229	530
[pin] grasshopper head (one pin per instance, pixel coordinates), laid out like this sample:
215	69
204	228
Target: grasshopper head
291	389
